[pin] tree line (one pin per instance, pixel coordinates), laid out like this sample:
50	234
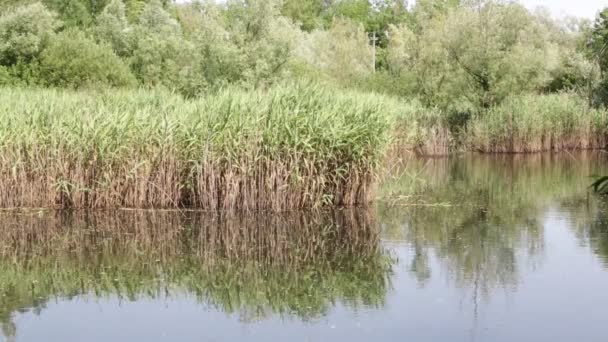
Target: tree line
462	56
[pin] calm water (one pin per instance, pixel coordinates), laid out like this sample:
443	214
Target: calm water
465	249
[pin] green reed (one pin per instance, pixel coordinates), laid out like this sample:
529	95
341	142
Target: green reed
288	147
536	123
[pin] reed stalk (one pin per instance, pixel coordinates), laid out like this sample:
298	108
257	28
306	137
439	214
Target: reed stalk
290	147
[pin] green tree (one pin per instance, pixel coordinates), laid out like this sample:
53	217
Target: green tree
72	12
599	40
342	53
598	48
72	60
264	37
24	32
154	19
162	56
475	54
112	27
306	13
219	60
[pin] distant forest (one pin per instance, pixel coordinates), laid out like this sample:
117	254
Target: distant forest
450	54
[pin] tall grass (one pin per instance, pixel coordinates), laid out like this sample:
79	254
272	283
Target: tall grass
535	123
521	124
419	130
290	147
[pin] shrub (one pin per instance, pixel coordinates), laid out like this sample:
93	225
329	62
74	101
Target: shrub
72	60
113	28
24	32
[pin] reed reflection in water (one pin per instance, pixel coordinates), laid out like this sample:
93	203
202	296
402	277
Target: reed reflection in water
296	265
460	249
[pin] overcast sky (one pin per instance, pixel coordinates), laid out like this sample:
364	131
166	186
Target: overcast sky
561	8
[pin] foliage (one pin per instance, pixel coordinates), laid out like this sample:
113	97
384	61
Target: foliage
600	185
342	53
599	39
112	27
598	46
475	54
263	37
305	13
73	61
155	20
455	61
74	13
24	33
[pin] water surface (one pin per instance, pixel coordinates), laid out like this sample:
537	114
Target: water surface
473	248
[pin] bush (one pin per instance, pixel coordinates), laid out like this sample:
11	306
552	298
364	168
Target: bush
5	76
24	32
113	28
72	60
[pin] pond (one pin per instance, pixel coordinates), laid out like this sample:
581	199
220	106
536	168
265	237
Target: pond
471	248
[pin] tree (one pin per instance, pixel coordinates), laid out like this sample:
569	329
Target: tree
475	54
220	60
598	42
305	13
72	60
598	48
161	55
343	52
24	32
113	28
72	12
263	36
155	20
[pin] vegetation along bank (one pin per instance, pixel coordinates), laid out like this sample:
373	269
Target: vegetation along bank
279	105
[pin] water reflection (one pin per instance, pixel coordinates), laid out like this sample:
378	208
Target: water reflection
482	216
430	263
593	232
253	265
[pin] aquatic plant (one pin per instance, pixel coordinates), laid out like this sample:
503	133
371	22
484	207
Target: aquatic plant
535	123
288	147
600	185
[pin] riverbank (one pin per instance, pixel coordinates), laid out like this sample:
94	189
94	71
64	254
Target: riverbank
521	124
290	147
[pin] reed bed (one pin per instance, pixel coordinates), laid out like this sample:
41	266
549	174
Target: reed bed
419	131
289	147
539	123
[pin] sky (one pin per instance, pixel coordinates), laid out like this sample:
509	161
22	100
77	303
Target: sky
559	8
562	8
